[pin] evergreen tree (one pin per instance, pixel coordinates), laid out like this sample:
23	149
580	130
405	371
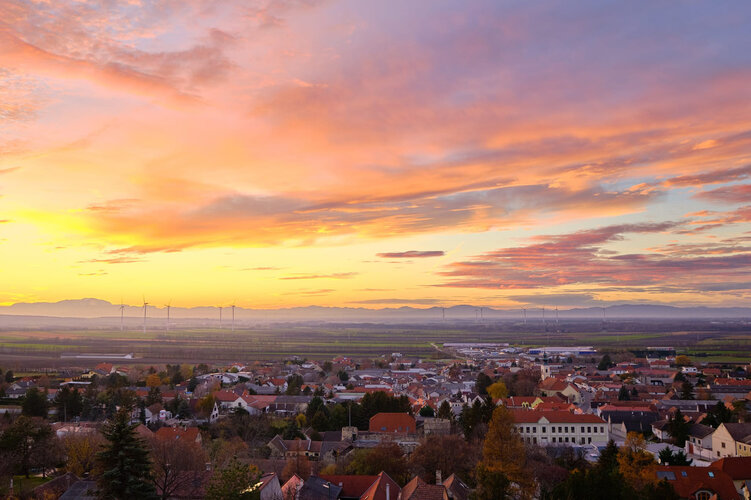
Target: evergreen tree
444	411
125	462
35	403
678	428
605	362
687	390
623	394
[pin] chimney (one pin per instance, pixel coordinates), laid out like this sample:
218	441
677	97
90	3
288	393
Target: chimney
438	479
388	491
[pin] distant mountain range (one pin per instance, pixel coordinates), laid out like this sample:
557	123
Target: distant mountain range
71	312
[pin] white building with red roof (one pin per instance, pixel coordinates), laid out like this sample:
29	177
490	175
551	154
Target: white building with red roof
560	428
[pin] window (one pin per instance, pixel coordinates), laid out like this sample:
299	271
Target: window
589	429
589	440
560	429
703	495
534	430
582	429
683	473
723	445
552	429
554	440
602	429
711	474
534	440
565	429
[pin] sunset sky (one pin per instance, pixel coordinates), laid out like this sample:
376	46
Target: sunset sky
283	153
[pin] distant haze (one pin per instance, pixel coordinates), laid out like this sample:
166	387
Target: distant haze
66	312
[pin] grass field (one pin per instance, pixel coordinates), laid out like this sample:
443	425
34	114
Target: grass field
367	340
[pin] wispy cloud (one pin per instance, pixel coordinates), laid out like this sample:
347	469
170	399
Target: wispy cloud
331	276
411	254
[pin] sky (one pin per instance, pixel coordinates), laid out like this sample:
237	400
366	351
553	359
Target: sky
282	153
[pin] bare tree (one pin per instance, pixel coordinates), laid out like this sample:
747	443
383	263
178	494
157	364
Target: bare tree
179	465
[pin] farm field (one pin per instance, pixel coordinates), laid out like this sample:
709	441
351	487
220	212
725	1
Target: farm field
731	343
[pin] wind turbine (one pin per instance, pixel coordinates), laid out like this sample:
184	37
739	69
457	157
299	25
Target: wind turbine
144	314
220	317
233	316
122	308
168	305
557	324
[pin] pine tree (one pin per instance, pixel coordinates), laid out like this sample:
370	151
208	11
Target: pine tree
125	462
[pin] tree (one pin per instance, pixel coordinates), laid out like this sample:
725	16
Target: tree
234	481
687	390
294	383
124	462
497	390
427	411
717	415
635	463
68	403
492	485
667	457
81	451
444	410
678	428
178	465
9	376
605	363
682	360
387	457
35	403
623	394
482	383
153	380
25	440
504	454
299	464
449	454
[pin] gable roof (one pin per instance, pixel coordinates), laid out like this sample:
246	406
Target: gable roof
392	422
739	432
456	488
352	485
189	434
377	490
739	468
687	480
417	489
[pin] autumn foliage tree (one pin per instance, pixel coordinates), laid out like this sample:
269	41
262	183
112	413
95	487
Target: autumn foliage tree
504	456
449	454
81	450
636	464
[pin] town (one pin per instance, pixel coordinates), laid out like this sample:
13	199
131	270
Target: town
487	420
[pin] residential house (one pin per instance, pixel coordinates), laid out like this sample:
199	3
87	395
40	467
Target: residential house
417	489
270	488
698	483
456	488
739	470
732	440
699	442
393	423
191	434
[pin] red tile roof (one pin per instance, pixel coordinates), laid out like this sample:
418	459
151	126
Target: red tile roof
554	417
352	485
402	423
688	480
739	468
189	434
